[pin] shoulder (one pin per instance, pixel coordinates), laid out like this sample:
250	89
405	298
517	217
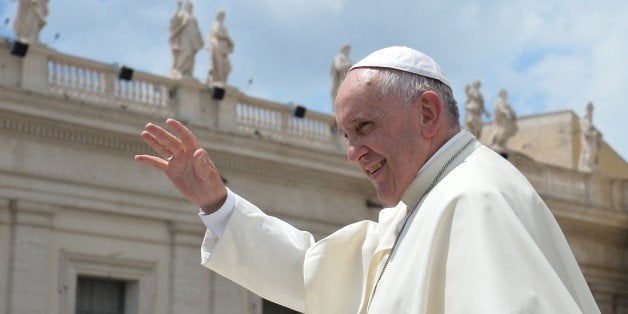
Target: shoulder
486	177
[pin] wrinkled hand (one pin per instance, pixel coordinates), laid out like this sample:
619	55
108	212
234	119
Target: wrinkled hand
186	164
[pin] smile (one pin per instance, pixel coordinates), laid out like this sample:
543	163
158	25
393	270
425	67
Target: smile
374	167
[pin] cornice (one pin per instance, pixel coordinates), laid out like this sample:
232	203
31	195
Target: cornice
272	165
600	233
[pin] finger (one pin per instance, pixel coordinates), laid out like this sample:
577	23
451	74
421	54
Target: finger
165	138
152	161
155	144
187	138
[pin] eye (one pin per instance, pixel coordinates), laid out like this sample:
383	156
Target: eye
365	127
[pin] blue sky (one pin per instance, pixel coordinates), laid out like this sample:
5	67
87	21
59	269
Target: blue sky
548	55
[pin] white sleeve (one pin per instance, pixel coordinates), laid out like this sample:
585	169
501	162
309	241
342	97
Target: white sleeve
217	220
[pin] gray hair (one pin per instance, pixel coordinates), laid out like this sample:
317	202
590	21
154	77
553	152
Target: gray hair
408	86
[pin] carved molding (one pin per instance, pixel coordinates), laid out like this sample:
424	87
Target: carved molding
605	234
46	129
553	182
71	265
188	234
225	161
33	214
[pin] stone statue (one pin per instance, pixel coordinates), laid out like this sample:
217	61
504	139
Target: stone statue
185	40
590	138
505	122
220	47
30	19
474	108
339	68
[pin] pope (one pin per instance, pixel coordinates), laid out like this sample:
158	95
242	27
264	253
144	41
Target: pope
464	232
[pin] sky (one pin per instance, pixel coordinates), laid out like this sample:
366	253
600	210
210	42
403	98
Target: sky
549	55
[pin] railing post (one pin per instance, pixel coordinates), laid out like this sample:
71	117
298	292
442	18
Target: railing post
109	87
188	102
226	110
11	71
35	69
285	124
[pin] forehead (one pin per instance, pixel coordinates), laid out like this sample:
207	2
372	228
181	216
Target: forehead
359	96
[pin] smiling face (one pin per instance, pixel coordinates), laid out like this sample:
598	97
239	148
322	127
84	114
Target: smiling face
384	137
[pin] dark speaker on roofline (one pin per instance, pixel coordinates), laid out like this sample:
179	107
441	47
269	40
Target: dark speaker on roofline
19	49
125	73
299	111
218	93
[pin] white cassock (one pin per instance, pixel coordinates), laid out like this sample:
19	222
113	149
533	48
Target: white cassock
481	241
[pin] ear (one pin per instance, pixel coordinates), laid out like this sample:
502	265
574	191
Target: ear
431	113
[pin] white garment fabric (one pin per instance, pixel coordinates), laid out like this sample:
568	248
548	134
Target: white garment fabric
481	241
217	221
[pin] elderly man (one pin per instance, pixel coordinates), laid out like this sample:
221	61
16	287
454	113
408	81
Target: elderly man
465	233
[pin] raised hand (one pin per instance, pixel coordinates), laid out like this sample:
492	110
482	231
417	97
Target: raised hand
186	164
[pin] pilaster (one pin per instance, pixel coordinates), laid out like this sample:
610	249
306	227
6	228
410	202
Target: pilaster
189	281
30	251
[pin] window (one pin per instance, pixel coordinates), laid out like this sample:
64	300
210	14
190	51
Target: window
274	308
100	296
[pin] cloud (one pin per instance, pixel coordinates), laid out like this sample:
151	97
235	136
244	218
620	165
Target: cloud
548	55
296	9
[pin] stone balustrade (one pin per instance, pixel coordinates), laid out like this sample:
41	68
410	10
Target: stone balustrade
585	189
44	70
98	84
277	122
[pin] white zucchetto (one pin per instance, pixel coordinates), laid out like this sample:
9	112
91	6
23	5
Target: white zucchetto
404	59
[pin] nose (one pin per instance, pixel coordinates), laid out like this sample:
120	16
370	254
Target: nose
355	152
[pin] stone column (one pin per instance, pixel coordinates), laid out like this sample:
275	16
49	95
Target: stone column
29	255
189	281
5	247
621	302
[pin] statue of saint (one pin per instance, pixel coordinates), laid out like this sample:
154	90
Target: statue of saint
474	107
30	19
339	68
590	138
185	40
505	121
220	47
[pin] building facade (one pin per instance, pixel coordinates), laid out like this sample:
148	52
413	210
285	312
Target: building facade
80	219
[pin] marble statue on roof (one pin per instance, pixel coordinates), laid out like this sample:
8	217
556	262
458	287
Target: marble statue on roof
185	40
505	121
474	107
339	67
30	19
220	47
590	139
